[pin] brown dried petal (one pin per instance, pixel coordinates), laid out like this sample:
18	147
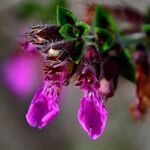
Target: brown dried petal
140	109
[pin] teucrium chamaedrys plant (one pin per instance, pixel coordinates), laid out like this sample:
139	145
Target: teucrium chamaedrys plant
92	57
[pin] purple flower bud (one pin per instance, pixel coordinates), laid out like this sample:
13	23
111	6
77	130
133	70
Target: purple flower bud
92	115
44	106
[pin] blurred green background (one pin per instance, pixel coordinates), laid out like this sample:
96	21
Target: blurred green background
64	132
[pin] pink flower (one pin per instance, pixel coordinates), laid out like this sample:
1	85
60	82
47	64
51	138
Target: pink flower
22	73
43	107
92	115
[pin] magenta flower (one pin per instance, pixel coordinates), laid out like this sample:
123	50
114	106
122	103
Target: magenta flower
92	115
22	73
44	106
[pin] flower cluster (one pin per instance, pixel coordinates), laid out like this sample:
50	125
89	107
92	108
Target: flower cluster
90	60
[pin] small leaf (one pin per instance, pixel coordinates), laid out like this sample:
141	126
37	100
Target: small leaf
83	27
127	68
146	28
69	32
105	39
78	51
104	20
64	16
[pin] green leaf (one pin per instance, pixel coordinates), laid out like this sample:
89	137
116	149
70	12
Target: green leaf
69	31
78	51
64	16
105	39
127	68
83	27
146	28
104	20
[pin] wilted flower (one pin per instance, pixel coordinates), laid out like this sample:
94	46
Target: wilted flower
142	103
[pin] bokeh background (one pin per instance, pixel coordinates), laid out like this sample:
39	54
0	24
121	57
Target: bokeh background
64	132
